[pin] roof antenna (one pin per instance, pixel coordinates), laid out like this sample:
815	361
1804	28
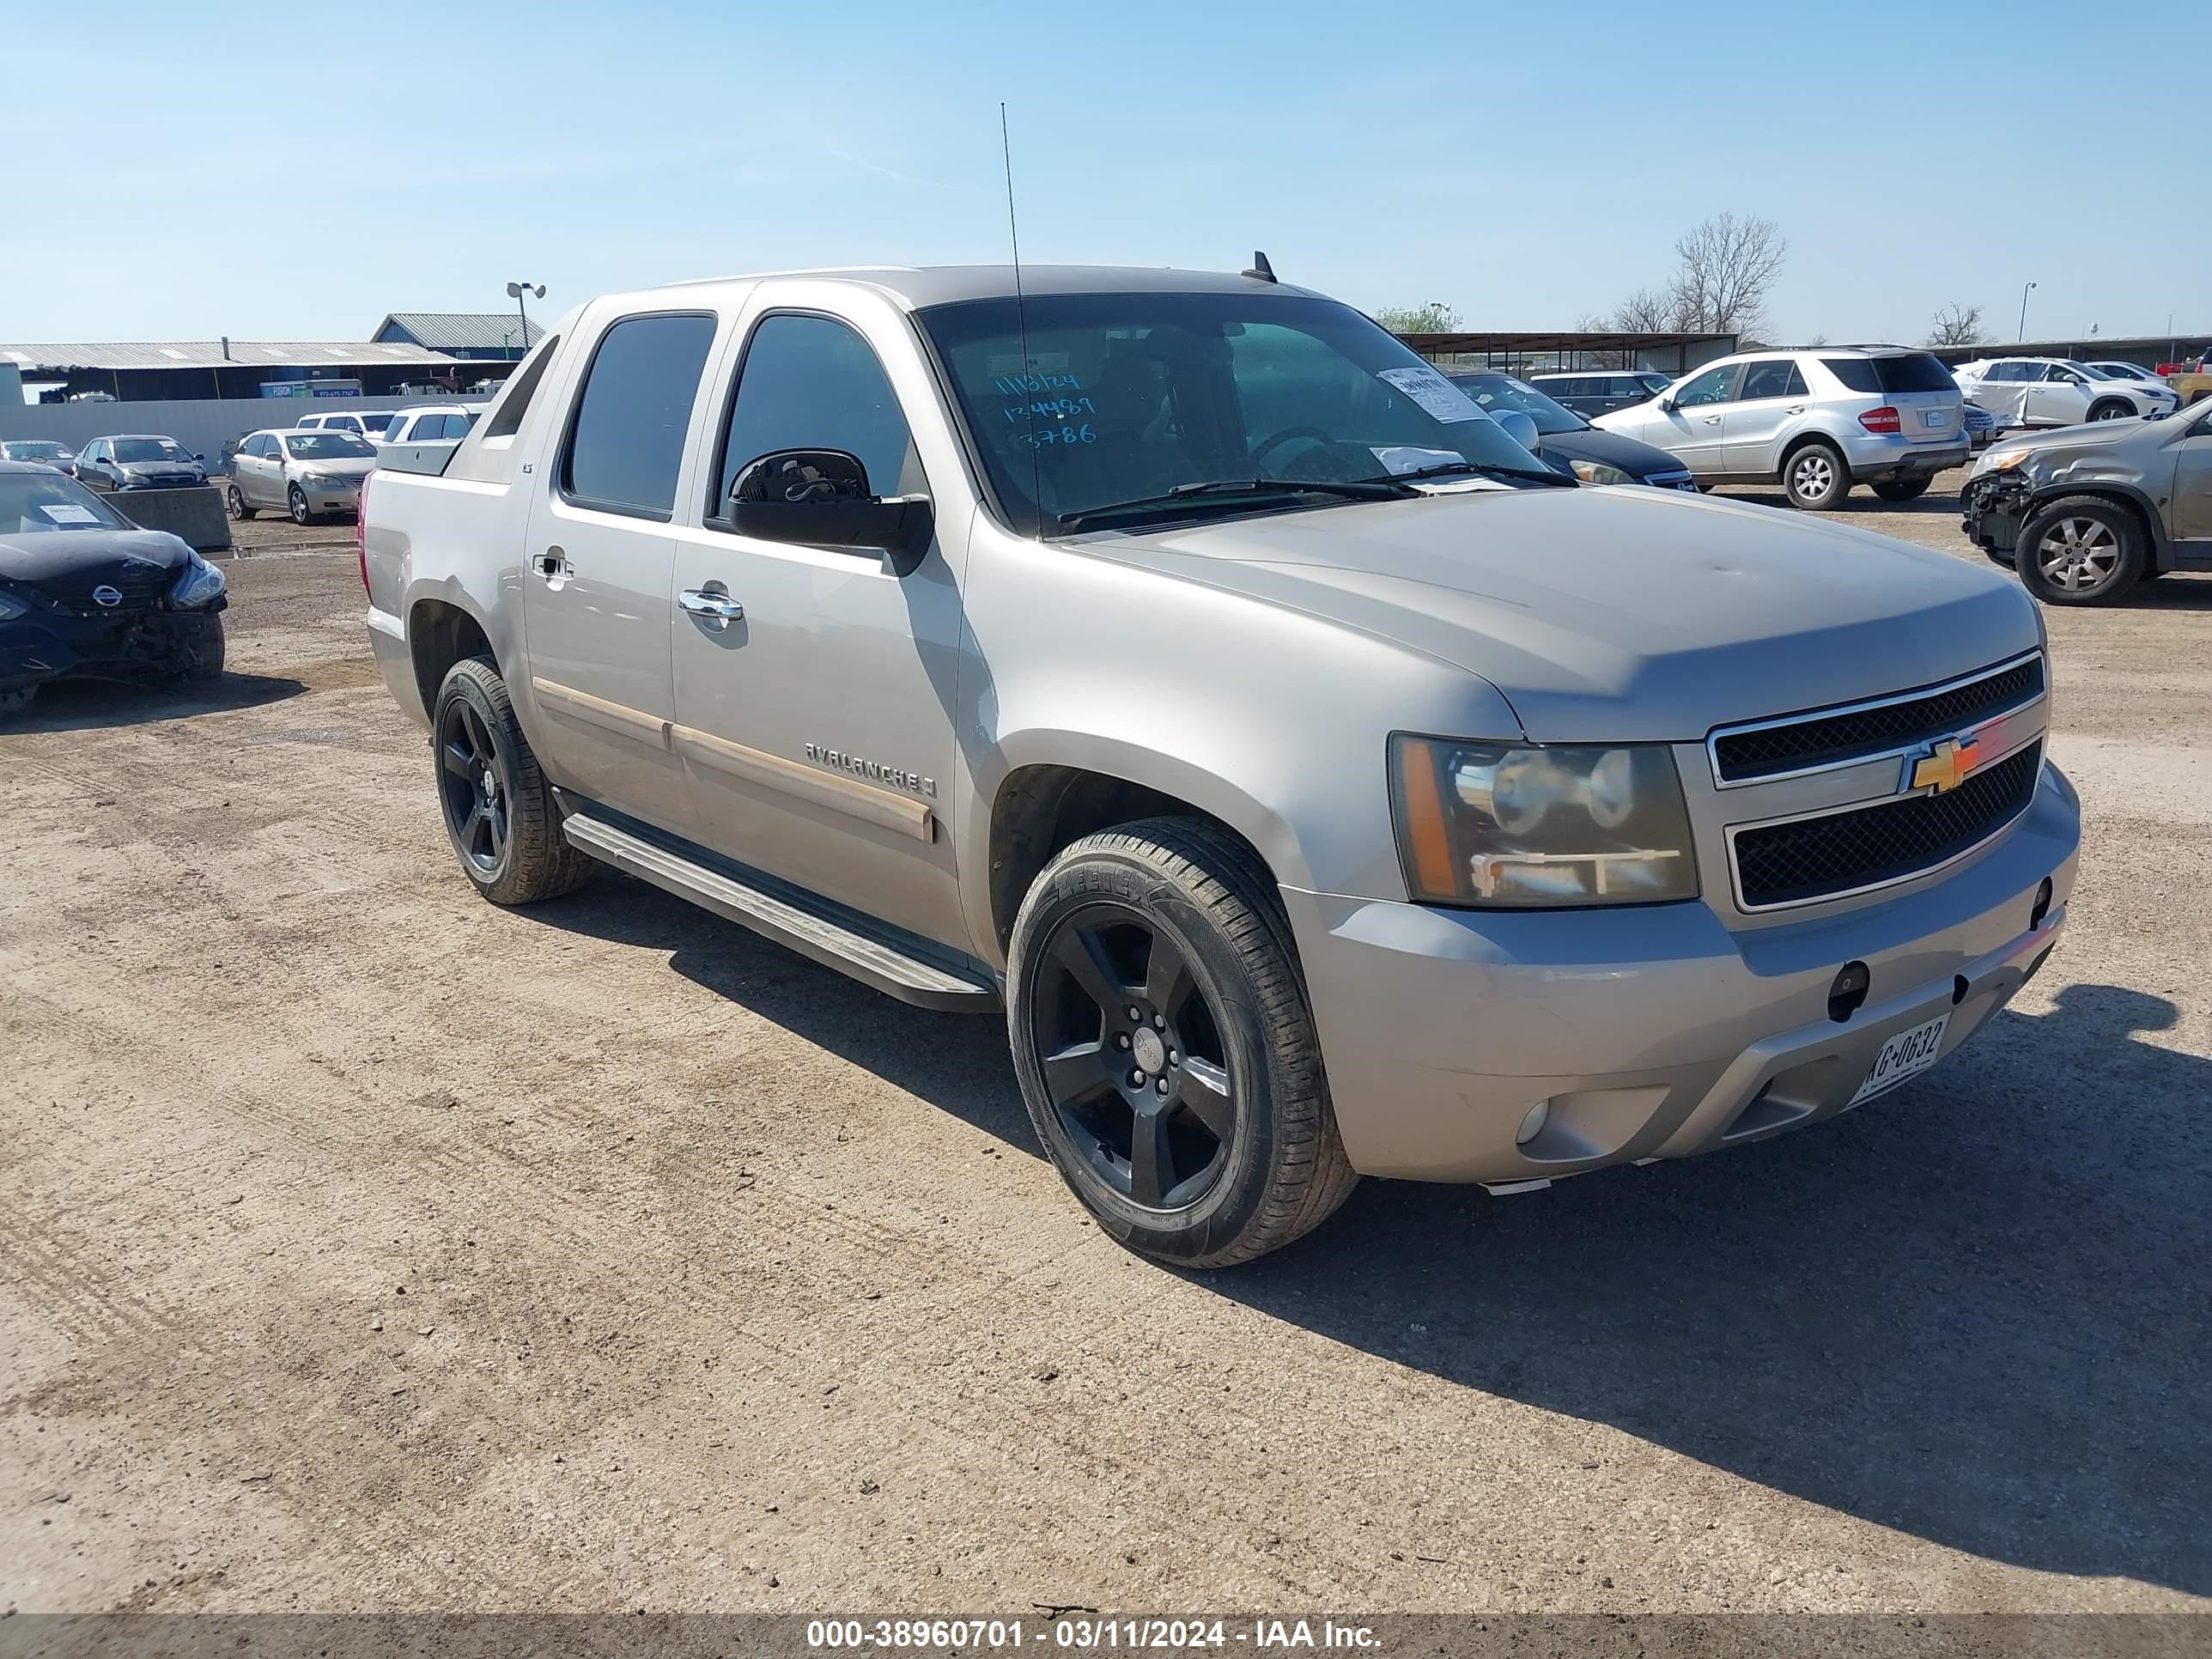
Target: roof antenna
1262	271
1022	321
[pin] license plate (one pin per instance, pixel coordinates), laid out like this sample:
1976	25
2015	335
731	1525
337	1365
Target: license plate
1932	417
1904	1055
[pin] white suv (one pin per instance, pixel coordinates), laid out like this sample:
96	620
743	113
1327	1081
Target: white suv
1815	420
2055	392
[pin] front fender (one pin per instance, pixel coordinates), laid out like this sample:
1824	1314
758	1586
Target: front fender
2089	476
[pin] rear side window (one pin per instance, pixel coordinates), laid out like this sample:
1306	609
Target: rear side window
1856	373
508	420
1772	380
1915	371
626	438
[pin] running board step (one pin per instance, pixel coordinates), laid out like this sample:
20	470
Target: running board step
871	961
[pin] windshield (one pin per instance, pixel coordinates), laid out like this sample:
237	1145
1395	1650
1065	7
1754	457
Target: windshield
32	501
1495	392
31	450
133	451
1126	397
326	446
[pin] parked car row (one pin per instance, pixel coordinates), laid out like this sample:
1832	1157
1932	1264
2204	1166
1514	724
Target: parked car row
2055	392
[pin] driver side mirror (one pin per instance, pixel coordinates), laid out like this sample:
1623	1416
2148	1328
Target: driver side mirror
1666	401
821	498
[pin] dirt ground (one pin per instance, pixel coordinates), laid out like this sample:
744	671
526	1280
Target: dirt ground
363	1246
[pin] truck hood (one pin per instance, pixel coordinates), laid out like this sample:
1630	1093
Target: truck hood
1618	615
41	554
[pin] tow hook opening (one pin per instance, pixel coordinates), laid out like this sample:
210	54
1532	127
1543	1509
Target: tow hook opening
1959	989
1853	979
2042	908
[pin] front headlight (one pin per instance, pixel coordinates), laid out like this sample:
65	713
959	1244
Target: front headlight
2000	461
1597	472
200	584
1513	825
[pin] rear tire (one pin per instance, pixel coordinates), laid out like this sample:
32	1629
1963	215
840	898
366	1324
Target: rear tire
1197	1130
1903	490
498	810
234	500
2080	550
1815	477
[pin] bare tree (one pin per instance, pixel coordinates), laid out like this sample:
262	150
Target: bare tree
1728	267
1434	317
1958	325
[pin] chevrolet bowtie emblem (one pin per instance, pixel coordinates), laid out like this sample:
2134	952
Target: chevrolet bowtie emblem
1946	765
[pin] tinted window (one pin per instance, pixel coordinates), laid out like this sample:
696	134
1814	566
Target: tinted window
1710	388
2059	371
1915	372
1779	379
1856	372
1654	384
263	447
810	383
626	440
521	390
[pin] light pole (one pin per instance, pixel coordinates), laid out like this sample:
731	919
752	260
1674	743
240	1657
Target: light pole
2022	337
516	290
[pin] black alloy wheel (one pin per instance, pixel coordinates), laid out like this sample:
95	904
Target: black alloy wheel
472	786
1133	1057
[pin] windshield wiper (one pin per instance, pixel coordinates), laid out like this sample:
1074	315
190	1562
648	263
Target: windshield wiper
1487	469
1363	489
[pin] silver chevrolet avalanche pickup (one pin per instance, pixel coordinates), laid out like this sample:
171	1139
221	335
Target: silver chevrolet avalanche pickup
1319	784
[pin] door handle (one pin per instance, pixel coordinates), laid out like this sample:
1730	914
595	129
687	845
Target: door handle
1795	408
718	610
554	564
1712	420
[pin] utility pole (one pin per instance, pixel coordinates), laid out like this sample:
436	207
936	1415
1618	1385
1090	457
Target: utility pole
2021	337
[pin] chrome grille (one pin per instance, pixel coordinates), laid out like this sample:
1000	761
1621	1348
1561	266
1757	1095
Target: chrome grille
1806	860
1842	737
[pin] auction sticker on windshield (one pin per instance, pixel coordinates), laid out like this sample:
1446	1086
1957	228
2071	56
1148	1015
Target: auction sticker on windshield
68	513
1434	393
1904	1055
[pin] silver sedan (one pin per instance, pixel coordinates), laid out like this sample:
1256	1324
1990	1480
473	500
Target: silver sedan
305	474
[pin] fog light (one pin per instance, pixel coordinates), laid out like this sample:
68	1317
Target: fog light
1533	1125
2042	906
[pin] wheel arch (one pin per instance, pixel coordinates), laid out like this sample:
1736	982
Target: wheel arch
2157	549
440	632
1041	806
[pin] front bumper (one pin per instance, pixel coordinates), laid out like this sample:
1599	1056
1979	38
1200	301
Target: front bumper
1992	508
46	645
332	498
1651	1032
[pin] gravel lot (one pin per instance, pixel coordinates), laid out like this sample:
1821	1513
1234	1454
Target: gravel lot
363	1246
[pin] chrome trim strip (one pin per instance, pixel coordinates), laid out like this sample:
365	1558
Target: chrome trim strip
1735	864
1809	716
903	813
599	712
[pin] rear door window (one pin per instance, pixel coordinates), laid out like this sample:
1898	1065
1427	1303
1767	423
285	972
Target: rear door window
626	438
1776	378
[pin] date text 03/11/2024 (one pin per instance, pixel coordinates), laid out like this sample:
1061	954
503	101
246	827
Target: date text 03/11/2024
1086	1634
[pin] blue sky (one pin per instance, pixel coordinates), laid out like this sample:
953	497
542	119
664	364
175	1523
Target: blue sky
294	171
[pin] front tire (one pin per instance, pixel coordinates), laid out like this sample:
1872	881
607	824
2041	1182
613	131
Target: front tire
498	809
16	700
202	657
1904	490
298	499
1815	477
1165	1046
2112	409
2080	550
234	500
